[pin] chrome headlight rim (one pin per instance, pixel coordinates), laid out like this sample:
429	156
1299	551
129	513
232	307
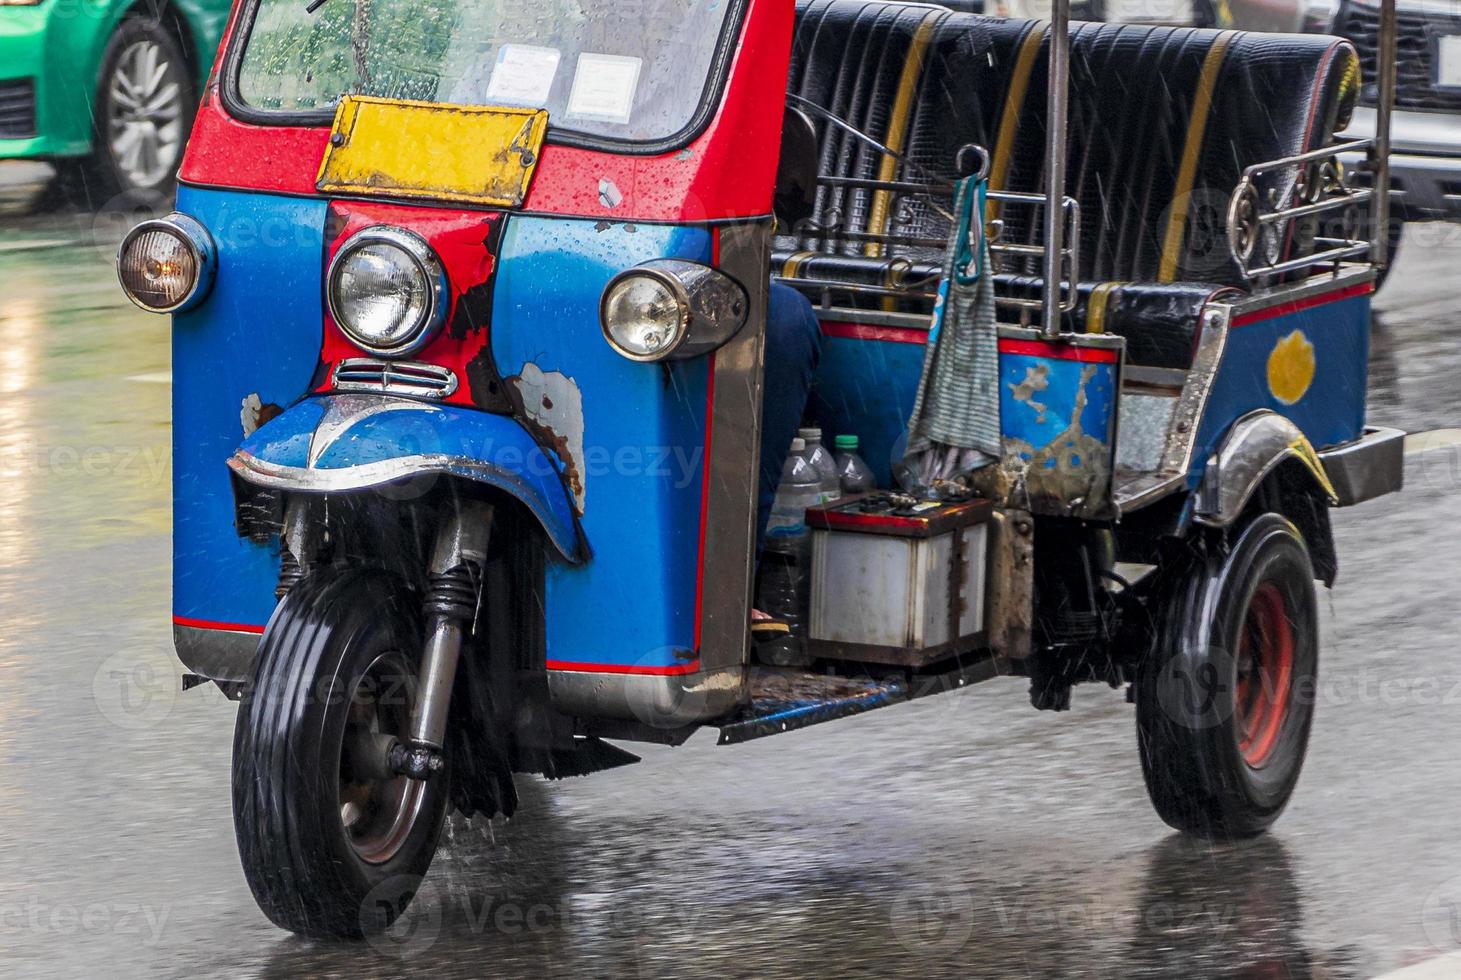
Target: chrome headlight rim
682	303
199	243
426	261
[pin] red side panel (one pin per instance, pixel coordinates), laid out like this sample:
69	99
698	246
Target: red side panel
727	172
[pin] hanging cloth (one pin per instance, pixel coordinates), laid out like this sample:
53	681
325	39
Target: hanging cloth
955	424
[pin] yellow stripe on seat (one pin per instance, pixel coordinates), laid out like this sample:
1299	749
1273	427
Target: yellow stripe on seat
898	123
1096	306
792	267
1009	120
1187	171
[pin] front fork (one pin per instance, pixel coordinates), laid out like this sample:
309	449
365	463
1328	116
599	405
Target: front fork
454	591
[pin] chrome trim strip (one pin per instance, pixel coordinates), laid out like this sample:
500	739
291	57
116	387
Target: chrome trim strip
662	702
396	377
1316	285
1252	449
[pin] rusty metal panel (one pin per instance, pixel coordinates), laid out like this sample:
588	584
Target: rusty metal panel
1058	416
1012	584
464	154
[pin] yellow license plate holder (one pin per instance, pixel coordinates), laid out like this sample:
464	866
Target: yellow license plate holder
466	154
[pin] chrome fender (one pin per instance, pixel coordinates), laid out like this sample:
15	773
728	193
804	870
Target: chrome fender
348	442
1254	447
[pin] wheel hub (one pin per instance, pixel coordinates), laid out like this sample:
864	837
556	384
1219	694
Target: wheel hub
1265	674
145	118
377	806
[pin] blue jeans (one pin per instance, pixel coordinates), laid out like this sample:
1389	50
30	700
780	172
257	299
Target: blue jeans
793	347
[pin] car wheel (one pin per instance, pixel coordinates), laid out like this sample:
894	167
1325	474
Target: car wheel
146	100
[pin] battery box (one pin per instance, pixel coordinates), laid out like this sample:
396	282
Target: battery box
897	580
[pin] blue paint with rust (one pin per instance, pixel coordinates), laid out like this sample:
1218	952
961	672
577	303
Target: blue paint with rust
1054	386
633	604
258	332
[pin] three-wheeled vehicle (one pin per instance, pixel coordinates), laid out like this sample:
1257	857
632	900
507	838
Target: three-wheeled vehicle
469	307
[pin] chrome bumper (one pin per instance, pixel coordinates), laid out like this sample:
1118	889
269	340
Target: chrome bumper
1371	466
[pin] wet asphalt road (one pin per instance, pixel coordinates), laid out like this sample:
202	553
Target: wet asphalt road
962	836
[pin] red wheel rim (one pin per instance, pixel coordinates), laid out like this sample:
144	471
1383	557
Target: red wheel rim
1265	674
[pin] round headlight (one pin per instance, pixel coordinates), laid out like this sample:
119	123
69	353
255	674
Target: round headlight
165	266
387	291
644	315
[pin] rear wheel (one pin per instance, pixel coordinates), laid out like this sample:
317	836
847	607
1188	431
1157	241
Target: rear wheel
1225	704
333	843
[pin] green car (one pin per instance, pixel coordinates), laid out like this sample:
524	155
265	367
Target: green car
104	89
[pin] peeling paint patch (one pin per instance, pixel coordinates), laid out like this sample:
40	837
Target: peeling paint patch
256	413
553	404
1037	379
609	194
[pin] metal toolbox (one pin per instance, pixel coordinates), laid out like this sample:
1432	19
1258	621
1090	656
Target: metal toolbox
897	582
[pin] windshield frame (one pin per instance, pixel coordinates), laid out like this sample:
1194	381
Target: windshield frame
711	97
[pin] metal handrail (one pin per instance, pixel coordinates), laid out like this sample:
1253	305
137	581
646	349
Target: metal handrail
834	233
1251	214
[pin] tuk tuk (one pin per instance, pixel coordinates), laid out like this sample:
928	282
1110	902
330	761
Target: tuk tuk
469	307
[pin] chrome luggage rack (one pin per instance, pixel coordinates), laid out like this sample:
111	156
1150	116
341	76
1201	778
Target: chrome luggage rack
908	279
1257	223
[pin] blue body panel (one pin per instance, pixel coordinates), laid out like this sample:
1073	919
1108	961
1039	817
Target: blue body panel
866	388
633	604
258	333
1332	409
511	459
1043	422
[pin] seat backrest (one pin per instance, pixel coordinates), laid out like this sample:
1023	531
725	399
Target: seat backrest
1163	122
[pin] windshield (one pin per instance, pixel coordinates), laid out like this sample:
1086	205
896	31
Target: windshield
634	70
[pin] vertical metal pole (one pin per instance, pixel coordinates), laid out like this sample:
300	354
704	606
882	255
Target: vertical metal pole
1055	126
1386	56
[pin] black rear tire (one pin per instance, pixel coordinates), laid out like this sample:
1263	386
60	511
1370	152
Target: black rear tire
336	663
1225	704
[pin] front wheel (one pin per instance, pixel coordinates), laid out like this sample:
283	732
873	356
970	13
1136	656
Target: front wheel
1225	703
333	844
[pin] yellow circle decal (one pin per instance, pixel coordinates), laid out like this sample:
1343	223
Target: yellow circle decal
1291	368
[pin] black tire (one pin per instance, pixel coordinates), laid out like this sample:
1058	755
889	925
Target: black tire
93	180
316	674
1220	755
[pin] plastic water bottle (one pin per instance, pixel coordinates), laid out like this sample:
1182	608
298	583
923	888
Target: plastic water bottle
822	461
852	473
786	581
800	488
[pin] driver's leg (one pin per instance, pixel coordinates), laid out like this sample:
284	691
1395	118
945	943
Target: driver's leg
793	347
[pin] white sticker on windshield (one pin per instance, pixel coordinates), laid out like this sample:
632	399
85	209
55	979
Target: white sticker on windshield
523	75
603	87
